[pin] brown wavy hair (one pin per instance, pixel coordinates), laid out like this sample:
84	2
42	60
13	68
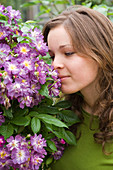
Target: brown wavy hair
92	35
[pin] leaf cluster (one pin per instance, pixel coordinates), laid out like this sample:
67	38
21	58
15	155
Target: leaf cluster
47	118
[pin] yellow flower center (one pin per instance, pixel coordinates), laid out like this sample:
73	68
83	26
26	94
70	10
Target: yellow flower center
37	160
13	144
3	154
5	73
1	34
16	32
38	142
23	50
37	73
12	67
23	81
26	64
20	154
36	65
33	86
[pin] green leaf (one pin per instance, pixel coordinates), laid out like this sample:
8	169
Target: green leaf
6	130
63	104
47	101
25	28
51	145
28	4
3	17
44	90
33	113
101	8
20	121
69	116
31	21
48	109
68	136
20	112
49	160
19	39
62	2
51	120
29	120
35	125
8	113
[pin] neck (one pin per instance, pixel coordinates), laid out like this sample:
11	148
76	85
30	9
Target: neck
90	97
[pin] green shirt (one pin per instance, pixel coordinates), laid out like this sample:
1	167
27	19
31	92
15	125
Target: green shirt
87	154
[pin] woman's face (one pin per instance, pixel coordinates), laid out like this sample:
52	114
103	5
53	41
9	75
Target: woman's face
77	73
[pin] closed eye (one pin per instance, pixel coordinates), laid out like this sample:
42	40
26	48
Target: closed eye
69	53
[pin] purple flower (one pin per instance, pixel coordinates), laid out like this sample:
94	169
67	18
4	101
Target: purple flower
22	49
4	54
13	143
13	14
15	89
2	8
36	161
20	155
53	91
58	154
25	101
5	164
53	88
12	67
4	48
2	120
2	141
24	166
7	103
4	32
60	148
40	46
38	143
4	154
36	33
53	73
27	64
62	141
6	77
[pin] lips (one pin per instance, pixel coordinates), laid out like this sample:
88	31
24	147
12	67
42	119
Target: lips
63	77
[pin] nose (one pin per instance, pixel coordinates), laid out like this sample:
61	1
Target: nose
58	63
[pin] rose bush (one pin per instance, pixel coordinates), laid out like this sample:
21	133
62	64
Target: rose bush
33	127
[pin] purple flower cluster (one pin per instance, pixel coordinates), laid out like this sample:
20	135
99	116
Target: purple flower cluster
11	14
60	145
23	154
22	72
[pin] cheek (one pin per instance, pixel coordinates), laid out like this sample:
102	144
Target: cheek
84	69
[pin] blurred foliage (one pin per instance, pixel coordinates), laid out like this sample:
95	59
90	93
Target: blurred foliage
54	7
16	4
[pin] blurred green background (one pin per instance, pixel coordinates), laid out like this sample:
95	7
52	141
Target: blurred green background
41	10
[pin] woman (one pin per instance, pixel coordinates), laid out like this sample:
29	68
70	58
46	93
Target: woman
80	42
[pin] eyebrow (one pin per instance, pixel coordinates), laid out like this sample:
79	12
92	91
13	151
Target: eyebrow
61	46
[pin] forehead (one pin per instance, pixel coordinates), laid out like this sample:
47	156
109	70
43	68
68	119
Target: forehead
58	36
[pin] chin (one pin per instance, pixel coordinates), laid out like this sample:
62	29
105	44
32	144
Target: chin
68	91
